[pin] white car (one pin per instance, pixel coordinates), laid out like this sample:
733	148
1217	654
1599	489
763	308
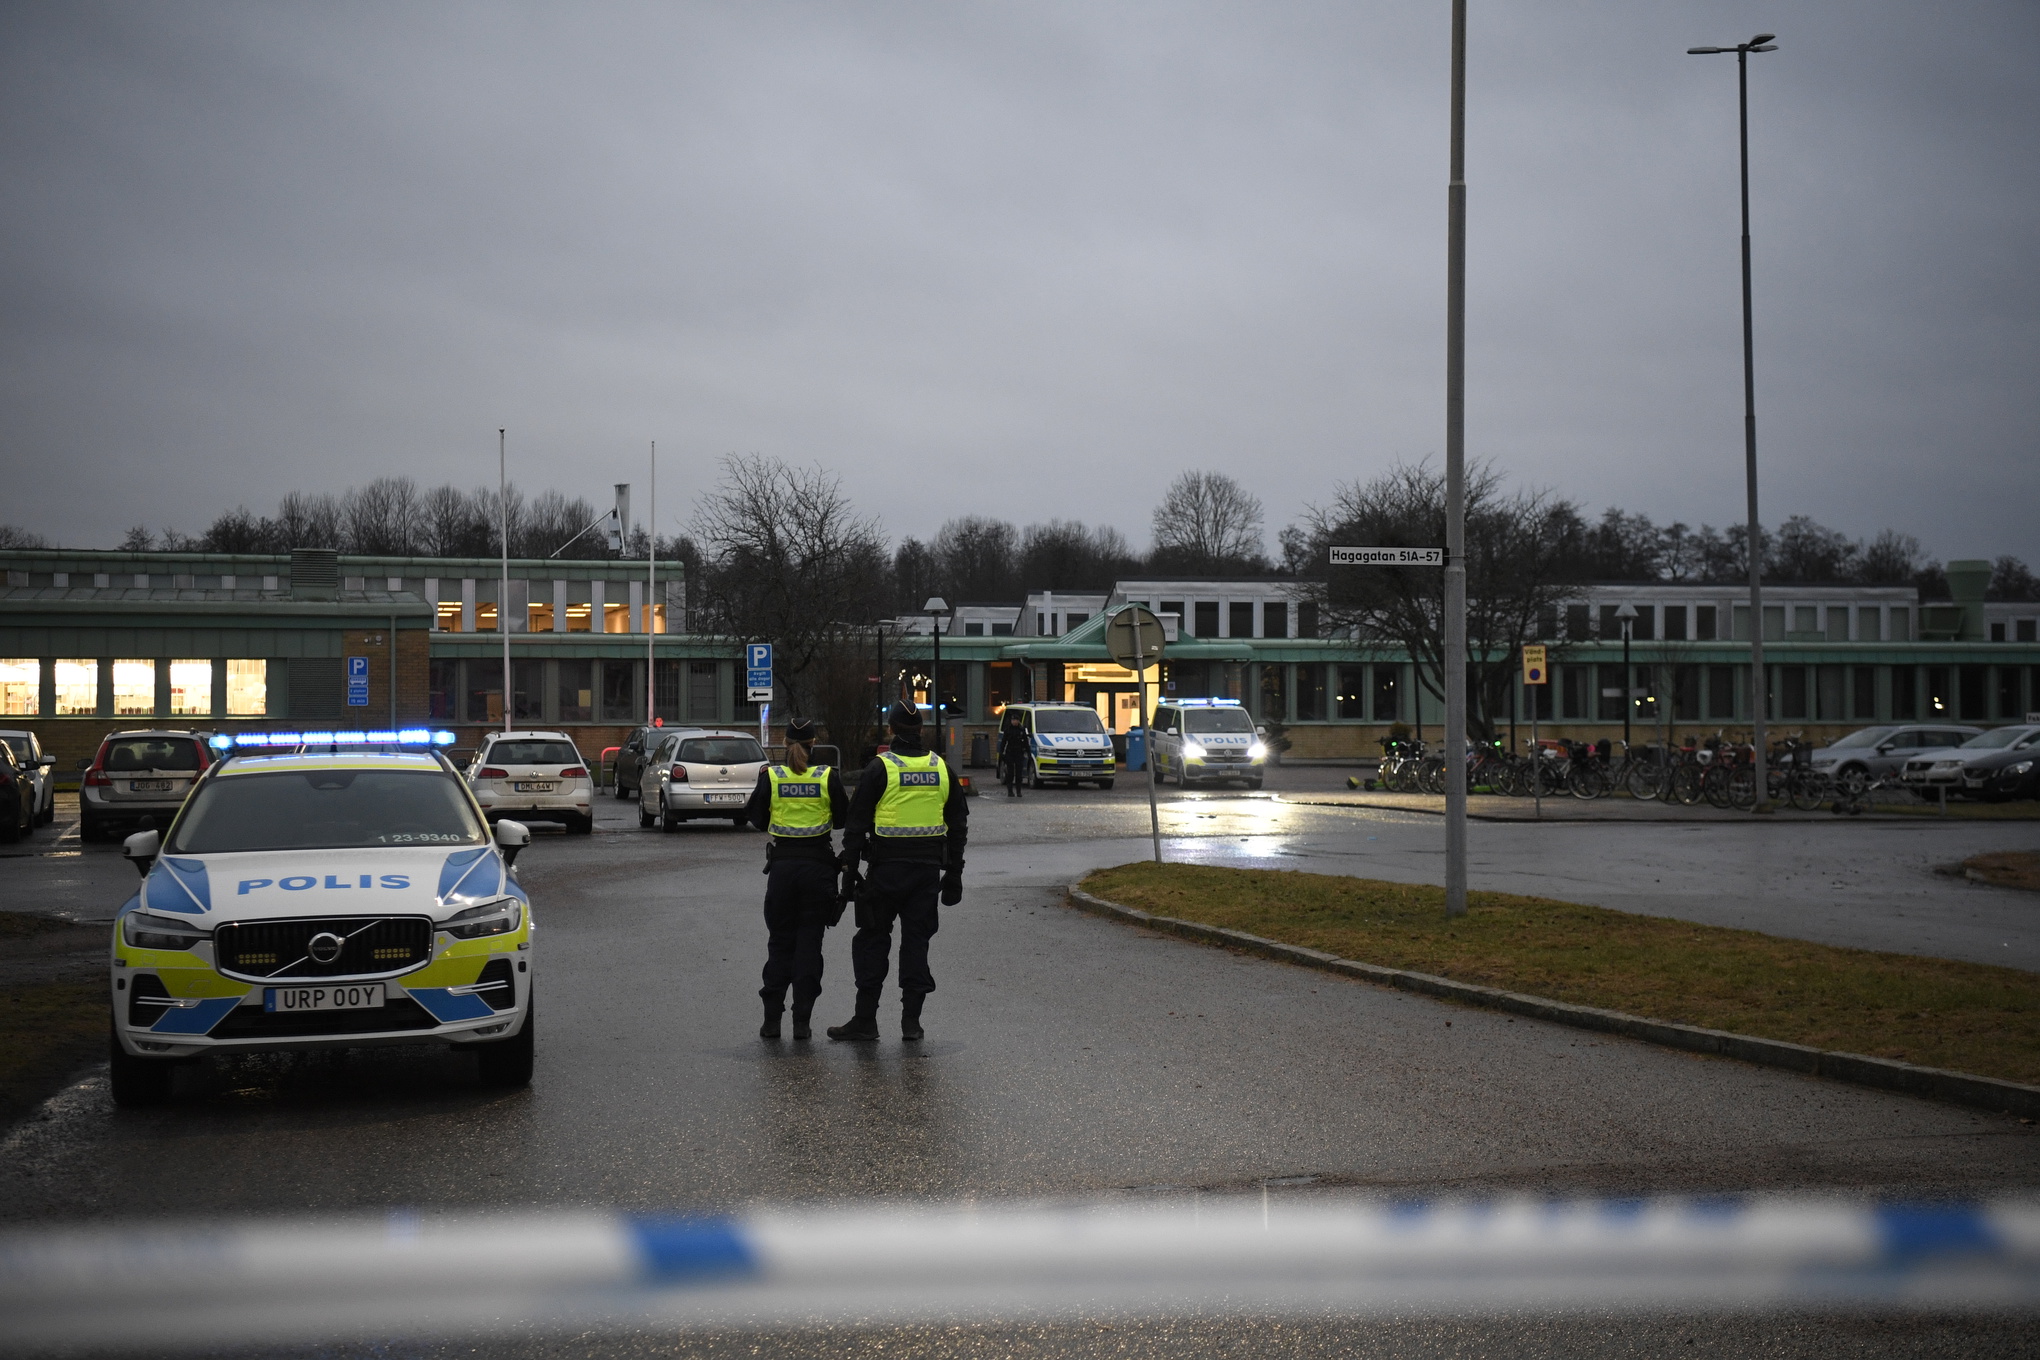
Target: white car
535	777
1206	740
40	767
696	772
322	901
1066	743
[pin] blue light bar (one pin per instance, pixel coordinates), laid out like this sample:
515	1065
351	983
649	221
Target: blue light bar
409	736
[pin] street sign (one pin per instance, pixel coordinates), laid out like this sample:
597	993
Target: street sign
758	672
1535	671
357	682
1388	557
1119	638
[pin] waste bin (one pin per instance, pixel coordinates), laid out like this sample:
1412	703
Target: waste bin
1136	748
980	751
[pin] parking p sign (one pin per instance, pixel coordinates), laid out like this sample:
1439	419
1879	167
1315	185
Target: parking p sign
1535	671
758	672
357	682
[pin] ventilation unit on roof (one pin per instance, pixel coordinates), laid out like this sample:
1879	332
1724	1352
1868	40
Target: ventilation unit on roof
314	573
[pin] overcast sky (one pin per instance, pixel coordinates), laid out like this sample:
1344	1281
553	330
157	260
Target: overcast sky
1022	259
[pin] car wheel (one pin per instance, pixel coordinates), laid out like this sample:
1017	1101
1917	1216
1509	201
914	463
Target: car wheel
507	1063
12	831
1254	784
1104	783
621	792
1034	778
646	819
668	819
138	1081
579	825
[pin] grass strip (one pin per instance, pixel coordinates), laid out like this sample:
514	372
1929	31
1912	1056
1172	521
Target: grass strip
1967	1017
2005	869
47	1031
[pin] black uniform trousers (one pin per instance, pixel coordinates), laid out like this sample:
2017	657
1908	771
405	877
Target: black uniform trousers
904	889
800	897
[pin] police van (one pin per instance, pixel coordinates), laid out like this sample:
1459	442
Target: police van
1206	741
1066	744
323	890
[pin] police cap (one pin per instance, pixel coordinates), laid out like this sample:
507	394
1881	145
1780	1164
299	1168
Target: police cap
801	730
903	714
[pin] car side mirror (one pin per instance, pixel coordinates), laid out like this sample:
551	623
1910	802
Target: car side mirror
1168	731
140	850
512	837
1260	731
1886	749
48	762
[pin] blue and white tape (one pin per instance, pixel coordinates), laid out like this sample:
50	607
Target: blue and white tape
471	1274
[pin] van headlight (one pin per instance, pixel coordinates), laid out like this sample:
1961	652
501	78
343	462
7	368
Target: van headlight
1257	751
490	918
145	930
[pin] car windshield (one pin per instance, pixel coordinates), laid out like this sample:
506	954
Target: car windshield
18	745
1217	720
1869	736
1995	741
720	751
533	753
151	753
1067	720
326	810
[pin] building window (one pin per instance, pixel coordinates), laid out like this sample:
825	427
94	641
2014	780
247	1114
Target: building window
655	618
1975	681
485	616
577	691
1576	681
1905	693
1002	630
1863	693
1578	626
1721	691
667	703
973	630
1306	620
1901	624
1536	699
20	687
484	702
1274	693
1207	619
442	686
1645	627
134	688
77	688
449	616
1675	623
701	691
190	688
1240	618
2008	692
1805	619
1071	621
528	692
1275	619
1869	623
538	618
619	701
1310	688
1704	625
1838	624
1997	632
1352	696
1793	684
1613	694
1388	694
2029	630
1940	696
1685	694
615	618
581	617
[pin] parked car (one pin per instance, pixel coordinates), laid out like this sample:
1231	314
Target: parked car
138	778
1994	765
630	759
17	797
535	776
1207	739
1881	752
1066	743
41	767
696	772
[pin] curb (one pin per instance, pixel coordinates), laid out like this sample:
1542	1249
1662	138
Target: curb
1884	1074
1498	819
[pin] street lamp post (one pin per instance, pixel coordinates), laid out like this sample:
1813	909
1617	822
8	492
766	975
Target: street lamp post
1627	613
1760	689
936	608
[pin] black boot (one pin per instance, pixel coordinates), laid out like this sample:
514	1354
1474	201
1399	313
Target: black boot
910	1016
770	1029
801	1013
858	1026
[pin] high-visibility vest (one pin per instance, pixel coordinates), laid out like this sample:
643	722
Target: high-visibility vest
916	787
800	802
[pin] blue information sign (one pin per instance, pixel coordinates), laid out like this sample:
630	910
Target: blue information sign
357	682
758	671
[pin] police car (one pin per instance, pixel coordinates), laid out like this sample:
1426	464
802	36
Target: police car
1067	744
323	890
1199	740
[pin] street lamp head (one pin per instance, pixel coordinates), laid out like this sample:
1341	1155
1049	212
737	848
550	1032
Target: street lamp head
1626	612
1762	38
1706	51
936	605
1767	47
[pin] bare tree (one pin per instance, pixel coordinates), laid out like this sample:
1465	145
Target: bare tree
1068	555
1207	523
138	539
785	559
976	557
12	537
382	517
308	521
1522	563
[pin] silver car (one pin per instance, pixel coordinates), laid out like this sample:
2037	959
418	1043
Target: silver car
40	767
698	772
1966	768
138	778
1881	752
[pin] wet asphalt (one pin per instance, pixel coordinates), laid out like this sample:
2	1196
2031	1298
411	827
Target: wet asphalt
1066	1056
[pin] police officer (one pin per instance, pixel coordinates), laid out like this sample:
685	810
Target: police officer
1013	752
909	820
798	803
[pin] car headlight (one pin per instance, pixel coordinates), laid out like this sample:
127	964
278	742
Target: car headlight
490	918
2023	767
145	930
1257	752
1947	764
1192	751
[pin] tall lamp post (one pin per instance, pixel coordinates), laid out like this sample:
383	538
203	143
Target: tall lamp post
1627	613
1760	689
936	608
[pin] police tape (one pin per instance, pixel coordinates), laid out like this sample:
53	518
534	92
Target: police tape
446	1274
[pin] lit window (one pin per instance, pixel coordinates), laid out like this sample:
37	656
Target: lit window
485	617
658	618
449	616
134	688
539	618
580	618
20	688
616	618
190	688
248	688
77	689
